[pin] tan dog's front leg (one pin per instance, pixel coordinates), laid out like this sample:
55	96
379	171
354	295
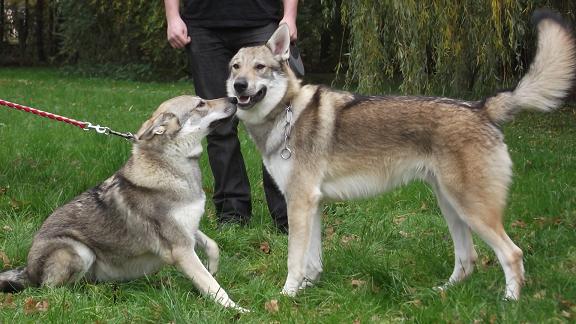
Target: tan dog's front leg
302	208
314	253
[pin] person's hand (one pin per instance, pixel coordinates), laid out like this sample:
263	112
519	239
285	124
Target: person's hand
177	33
291	22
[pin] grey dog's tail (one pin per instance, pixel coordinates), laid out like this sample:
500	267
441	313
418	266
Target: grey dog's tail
550	76
14	280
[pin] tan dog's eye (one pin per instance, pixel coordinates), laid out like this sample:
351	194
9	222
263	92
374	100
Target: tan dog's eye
236	66
202	103
260	66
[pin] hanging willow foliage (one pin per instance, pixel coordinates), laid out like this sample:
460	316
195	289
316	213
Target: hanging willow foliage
118	35
440	46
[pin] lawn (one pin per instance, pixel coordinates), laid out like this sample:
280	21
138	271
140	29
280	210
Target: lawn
382	256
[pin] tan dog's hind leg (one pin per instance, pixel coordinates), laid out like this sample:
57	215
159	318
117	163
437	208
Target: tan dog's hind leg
464	253
187	259
478	195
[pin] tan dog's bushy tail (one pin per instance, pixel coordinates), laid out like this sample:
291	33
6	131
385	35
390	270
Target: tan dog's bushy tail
14	280
550	76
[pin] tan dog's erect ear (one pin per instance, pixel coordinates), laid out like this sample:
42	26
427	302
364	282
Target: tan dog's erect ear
157	126
279	43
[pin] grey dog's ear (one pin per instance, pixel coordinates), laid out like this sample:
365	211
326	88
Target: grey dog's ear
157	126
279	43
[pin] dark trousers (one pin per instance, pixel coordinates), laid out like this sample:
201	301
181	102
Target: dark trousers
209	52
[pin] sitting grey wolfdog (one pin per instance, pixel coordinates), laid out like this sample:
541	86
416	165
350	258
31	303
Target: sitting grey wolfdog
322	144
144	216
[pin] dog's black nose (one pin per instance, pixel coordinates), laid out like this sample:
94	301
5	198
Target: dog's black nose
233	100
240	85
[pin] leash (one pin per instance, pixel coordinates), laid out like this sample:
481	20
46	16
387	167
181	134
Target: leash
84	125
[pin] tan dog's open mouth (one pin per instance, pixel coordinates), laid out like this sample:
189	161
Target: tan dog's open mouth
247	102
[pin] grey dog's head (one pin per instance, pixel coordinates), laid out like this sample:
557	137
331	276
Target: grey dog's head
184	118
260	76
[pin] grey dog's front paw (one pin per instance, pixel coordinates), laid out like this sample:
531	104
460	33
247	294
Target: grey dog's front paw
242	310
290	292
307	283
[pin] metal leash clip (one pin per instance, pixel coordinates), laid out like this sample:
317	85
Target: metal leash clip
107	131
99	129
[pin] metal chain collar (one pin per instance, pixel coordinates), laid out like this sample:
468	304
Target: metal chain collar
286	152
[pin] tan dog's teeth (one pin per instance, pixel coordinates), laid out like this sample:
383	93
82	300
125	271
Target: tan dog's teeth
244	99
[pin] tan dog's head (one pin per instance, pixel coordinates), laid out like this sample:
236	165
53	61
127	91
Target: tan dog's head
184	119
260	76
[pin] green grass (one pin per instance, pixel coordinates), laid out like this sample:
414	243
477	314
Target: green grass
397	246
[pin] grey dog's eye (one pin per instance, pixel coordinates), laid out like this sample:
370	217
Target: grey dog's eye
260	66
235	66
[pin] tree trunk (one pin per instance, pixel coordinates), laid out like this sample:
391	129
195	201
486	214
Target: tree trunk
40	30
1	22
23	31
51	29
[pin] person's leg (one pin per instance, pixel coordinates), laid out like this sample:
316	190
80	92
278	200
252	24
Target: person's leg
209	59
276	201
274	198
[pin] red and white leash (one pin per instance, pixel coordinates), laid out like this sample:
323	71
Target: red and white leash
84	125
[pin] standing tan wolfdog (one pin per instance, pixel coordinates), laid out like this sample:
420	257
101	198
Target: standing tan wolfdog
320	144
144	216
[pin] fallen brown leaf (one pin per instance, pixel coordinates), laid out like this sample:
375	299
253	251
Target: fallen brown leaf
18	204
399	220
5	259
42	306
486	261
356	321
518	223
567	304
8	301
540	294
32	306
493	319
272	306
540	220
329	232
415	302
208	190
29	305
568	308
348	238
265	247
357	283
